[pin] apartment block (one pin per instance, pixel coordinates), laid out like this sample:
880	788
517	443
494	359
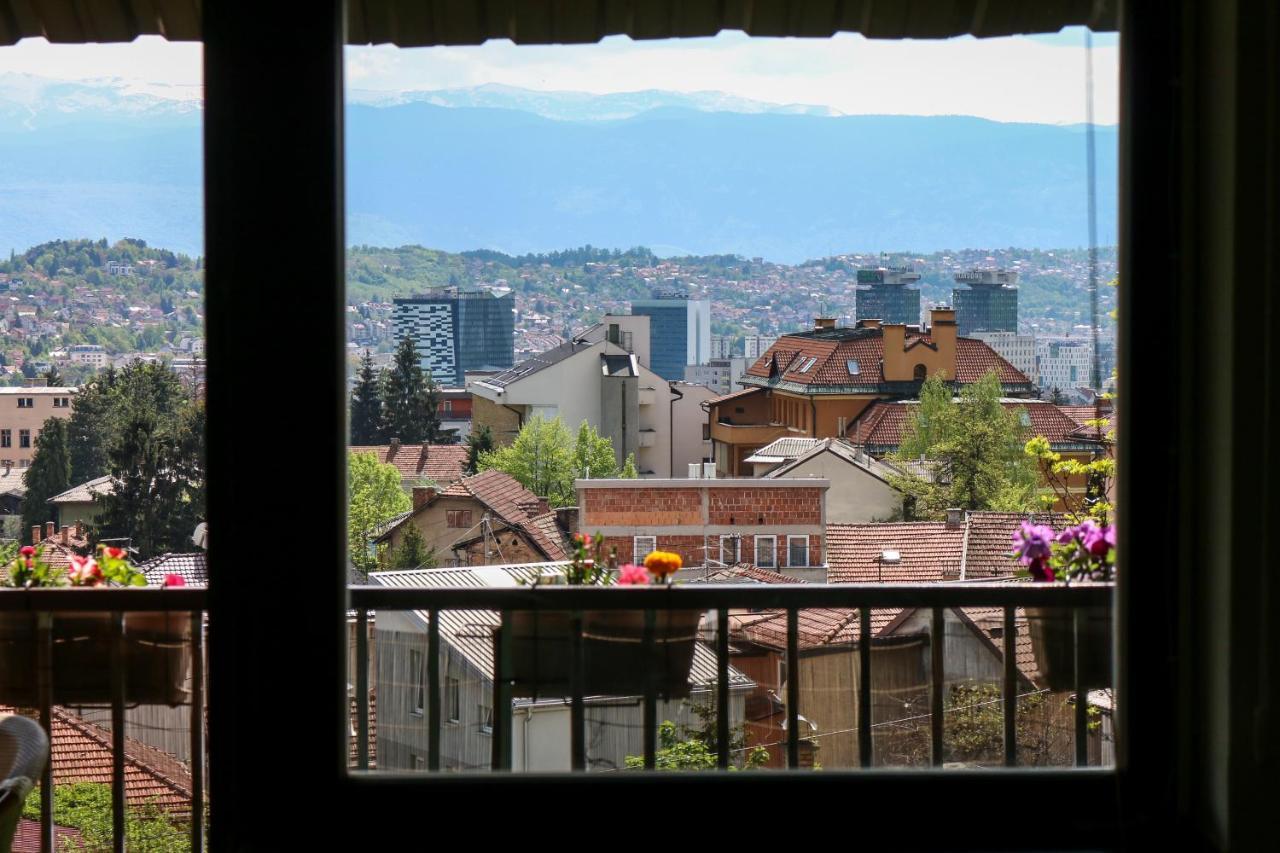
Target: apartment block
1018	350
1065	364
680	333
23	412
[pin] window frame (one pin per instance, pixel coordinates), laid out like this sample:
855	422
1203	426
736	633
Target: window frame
790	538
451	700
635	547
772	539
418	682
736	542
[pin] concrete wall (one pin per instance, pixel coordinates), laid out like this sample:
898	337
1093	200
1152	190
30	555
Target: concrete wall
619	416
856	495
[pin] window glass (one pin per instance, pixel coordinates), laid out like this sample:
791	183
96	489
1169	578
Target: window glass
798	551
766	556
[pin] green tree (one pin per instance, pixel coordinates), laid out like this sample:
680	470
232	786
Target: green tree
86	806
366	406
479	442
410	398
413	552
374	497
541	458
52	376
593	455
49	475
629	471
965	451
695	747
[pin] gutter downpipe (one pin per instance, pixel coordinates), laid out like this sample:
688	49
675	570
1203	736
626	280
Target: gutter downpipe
813	412
671	427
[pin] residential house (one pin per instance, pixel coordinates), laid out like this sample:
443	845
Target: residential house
420	464
861	485
778	524
819	382
77	505
541	727
23	412
487	519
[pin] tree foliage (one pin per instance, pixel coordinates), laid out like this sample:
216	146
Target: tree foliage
478	443
965	451
412	552
49	475
696	747
410	399
546	459
366	406
86	806
375	496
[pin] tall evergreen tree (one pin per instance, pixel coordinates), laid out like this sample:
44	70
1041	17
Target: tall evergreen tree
480	441
52	377
409	404
366	406
49	475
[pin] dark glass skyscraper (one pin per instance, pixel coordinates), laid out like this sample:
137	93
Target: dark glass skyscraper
456	331
679	332
989	303
883	295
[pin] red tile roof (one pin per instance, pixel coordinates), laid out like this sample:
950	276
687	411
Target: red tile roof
988	541
82	753
442	463
881	424
724	398
832	351
927	551
27	837
520	508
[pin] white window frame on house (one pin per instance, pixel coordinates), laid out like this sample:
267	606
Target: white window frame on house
452	699
636	553
734	551
485	713
418	678
773	551
805	539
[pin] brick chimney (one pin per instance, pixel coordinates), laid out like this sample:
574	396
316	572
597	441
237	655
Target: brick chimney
66	533
35	534
49	529
955	517
422	496
820	323
79	528
395	447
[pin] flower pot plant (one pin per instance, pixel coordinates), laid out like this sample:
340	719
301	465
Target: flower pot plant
615	660
155	643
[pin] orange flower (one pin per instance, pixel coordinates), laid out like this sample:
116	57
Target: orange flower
663	563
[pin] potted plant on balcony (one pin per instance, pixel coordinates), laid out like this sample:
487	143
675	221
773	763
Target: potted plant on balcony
1083	553
615	660
155	643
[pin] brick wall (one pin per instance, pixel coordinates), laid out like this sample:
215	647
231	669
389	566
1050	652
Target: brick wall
611	507
690	548
761	505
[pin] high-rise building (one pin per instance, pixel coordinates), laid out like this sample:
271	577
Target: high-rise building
756	345
1018	350
883	295
456	331
722	346
1065	364
989	302
679	331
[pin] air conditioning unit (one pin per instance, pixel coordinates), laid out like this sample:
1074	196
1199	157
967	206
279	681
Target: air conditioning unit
695	470
708	470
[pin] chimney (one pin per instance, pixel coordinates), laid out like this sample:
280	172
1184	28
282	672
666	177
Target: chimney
955	517
820	323
66	532
943	332
395	447
422	496
35	534
897	367
49	529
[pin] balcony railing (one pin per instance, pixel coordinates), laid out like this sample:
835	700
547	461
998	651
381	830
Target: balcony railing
935	598
48	607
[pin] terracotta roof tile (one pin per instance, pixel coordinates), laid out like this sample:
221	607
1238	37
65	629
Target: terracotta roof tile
82	753
927	551
882	423
441	463
988	541
192	568
515	505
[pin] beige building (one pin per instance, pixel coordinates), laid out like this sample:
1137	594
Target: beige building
77	505
23	412
860	484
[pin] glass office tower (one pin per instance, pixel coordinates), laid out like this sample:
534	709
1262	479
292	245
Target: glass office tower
456	331
679	332
989	302
883	295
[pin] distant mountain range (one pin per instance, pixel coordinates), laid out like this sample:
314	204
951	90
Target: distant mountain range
517	171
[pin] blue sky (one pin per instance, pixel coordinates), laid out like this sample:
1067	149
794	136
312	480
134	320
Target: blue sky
1036	79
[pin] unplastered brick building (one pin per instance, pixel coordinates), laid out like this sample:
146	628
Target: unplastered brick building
778	524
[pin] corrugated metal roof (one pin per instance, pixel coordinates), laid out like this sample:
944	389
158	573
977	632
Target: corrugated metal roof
470	632
415	23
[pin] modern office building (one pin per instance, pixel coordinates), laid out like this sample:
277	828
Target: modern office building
756	345
679	331
883	295
456	331
722	346
986	301
1065	364
1018	350
718	374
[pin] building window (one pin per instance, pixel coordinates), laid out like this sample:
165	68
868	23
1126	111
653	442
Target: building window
643	546
417	762
706	432
485	714
6	438
797	551
24	438
418	682
26	402
767	552
730	549
921	373
458	517
452	699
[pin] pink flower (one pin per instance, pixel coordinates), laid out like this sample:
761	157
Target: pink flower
113	553
633	575
27	551
174	580
84	571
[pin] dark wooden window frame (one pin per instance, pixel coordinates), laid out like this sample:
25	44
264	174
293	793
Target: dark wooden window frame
273	179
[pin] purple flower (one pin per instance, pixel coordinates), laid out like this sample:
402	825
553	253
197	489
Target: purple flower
1032	543
1041	571
1095	542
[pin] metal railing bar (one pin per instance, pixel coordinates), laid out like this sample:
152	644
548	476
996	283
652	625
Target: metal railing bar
577	709
650	695
94	600
197	732
714	596
865	747
117	732
793	689
722	688
1082	693
1009	689
503	711
433	690
362	688
937	639
44	677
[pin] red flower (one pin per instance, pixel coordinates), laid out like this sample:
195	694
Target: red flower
113	553
174	580
27	551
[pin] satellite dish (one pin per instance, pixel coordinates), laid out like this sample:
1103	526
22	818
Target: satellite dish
201	537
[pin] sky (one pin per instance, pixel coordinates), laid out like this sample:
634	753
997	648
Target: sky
1023	79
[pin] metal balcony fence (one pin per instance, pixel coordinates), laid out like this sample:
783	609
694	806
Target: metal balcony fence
720	599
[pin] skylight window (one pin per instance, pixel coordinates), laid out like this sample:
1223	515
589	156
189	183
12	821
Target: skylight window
852	366
890	557
804	368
